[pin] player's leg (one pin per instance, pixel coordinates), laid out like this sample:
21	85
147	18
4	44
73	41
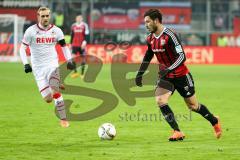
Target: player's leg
42	84
83	62
185	86
42	77
201	109
163	92
193	105
46	92
75	50
47	97
54	83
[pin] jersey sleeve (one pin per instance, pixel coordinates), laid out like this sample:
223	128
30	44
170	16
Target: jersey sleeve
27	37
147	58
149	53
86	29
176	47
59	34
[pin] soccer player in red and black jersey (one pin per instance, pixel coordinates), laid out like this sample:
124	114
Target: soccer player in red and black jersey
173	73
79	34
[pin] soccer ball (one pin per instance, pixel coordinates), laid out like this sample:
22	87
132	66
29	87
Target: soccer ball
107	131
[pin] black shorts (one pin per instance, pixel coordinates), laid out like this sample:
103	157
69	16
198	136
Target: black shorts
79	50
184	85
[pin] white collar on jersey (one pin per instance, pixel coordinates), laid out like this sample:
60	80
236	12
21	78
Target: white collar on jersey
45	29
79	24
159	34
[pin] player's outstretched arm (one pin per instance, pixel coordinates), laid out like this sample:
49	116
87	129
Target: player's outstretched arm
145	63
67	54
23	56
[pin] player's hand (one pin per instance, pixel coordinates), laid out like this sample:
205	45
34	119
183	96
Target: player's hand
138	80
27	68
71	65
84	43
163	72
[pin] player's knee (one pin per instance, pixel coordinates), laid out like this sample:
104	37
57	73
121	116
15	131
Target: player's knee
55	88
161	100
48	98
192	106
54	85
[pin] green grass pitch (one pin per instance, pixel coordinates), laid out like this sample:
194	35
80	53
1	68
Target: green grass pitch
29	128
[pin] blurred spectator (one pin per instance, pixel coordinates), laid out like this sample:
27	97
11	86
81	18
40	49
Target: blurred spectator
58	19
222	41
67	38
219	10
4	37
219	22
194	40
238	41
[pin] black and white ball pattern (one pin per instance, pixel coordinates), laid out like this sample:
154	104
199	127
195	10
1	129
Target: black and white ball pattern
106	131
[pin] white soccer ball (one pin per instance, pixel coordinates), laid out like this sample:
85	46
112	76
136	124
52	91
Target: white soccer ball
107	131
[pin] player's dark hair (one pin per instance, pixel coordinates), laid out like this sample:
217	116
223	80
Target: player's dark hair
154	14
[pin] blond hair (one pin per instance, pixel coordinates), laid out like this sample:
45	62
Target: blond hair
43	9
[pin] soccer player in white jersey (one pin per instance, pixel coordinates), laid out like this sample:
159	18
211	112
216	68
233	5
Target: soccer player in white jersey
41	39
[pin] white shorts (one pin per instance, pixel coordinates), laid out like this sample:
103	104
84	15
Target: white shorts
43	77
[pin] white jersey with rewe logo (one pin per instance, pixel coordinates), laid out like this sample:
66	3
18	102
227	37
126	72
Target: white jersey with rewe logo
42	45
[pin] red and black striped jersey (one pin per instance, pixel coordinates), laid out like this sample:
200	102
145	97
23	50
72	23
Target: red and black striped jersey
169	52
78	33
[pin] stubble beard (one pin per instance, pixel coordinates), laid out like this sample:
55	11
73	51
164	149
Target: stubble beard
154	29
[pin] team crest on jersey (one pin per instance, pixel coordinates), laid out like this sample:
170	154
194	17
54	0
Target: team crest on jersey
163	42
53	33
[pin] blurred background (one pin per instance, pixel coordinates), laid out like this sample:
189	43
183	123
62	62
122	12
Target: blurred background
198	23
